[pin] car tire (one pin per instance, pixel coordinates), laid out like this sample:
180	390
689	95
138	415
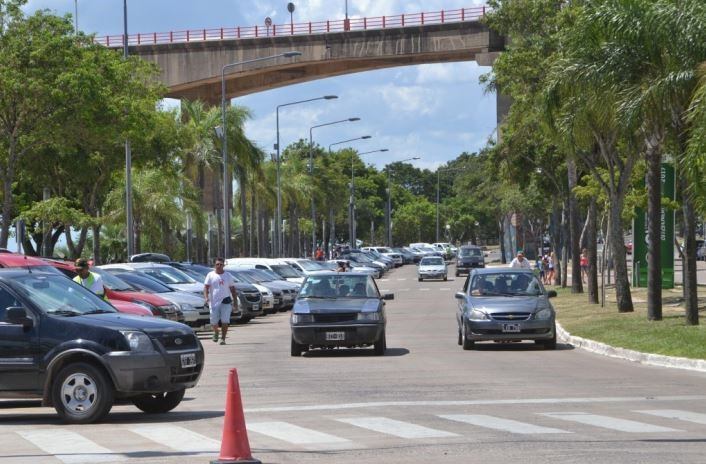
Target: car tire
465	341
297	348
380	345
445	278
419	279
93	388
159	403
551	343
460	338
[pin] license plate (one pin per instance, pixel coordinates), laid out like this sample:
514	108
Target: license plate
512	328
188	360
335	336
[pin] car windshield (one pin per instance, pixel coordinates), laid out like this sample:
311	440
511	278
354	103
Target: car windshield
310	265
432	262
505	284
55	294
285	270
192	272
254	276
112	282
467	252
47	268
339	286
144	282
168	275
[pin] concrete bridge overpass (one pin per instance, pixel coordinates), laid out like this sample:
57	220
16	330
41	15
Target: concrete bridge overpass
191	61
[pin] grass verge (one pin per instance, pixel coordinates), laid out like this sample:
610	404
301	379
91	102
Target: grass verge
670	336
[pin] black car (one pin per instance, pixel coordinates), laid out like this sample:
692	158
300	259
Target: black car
63	344
469	257
339	310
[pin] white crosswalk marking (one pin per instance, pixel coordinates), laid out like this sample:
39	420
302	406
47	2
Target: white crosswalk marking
607	422
177	438
396	428
69	447
299	435
401	279
423	289
497	423
446	289
688	416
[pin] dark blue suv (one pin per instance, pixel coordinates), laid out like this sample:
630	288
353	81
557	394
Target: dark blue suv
61	343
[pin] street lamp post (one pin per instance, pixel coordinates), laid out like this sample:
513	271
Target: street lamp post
311	174
351	200
278	226
388	213
130	232
352	207
438	171
224	143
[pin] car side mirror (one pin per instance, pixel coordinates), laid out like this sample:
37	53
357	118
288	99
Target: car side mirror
460	296
388	296
551	294
18	315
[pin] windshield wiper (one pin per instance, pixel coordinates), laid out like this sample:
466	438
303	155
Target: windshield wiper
99	311
317	297
65	312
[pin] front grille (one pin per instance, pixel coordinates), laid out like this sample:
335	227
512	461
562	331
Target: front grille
252	297
510	316
169	342
335	317
184	375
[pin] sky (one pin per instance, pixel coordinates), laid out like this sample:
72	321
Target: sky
433	111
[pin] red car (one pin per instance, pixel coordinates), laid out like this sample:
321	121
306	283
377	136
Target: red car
154	304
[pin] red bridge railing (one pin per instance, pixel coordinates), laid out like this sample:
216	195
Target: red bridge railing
277	30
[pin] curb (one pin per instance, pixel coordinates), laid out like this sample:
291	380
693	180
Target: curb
649	359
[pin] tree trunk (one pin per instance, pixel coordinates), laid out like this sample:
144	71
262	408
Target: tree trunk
617	242
6	209
555	236
501	237
96	244
243	215
575	229
592	247
565	240
251	238
689	269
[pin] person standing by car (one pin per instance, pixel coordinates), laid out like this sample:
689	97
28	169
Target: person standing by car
219	291
520	261
88	279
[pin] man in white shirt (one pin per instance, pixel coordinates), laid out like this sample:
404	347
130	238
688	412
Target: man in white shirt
520	261
219	291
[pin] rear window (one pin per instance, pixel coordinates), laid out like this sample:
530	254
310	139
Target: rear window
467	252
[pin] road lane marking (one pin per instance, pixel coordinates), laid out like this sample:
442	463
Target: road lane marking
606	422
69	447
445	289
404	290
423	289
296	435
384	280
687	416
401	279
396	428
177	438
379	404
497	423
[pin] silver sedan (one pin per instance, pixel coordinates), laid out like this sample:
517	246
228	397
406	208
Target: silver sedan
505	305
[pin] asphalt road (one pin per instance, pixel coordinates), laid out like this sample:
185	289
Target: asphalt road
426	400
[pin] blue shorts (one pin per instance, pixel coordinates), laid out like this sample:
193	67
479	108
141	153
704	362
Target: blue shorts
221	312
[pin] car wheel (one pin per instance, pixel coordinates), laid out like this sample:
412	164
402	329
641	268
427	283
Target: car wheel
297	348
82	394
243	320
445	278
380	345
467	343
159	403
419	279
460	337
551	343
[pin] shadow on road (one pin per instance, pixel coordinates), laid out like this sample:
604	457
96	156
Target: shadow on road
349	352
49	417
518	347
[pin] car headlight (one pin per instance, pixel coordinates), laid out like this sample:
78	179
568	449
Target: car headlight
543	314
477	315
299	318
138	341
187	307
153	309
372	316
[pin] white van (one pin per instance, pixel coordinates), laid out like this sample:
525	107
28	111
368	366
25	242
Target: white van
281	268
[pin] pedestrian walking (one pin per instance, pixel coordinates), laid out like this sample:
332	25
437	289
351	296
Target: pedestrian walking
220	294
520	261
583	261
551	267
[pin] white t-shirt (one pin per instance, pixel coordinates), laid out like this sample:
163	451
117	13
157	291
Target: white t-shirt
524	264
219	286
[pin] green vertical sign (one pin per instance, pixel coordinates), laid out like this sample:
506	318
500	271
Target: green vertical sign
639	230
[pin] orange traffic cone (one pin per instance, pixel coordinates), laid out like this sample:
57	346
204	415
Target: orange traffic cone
235	447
